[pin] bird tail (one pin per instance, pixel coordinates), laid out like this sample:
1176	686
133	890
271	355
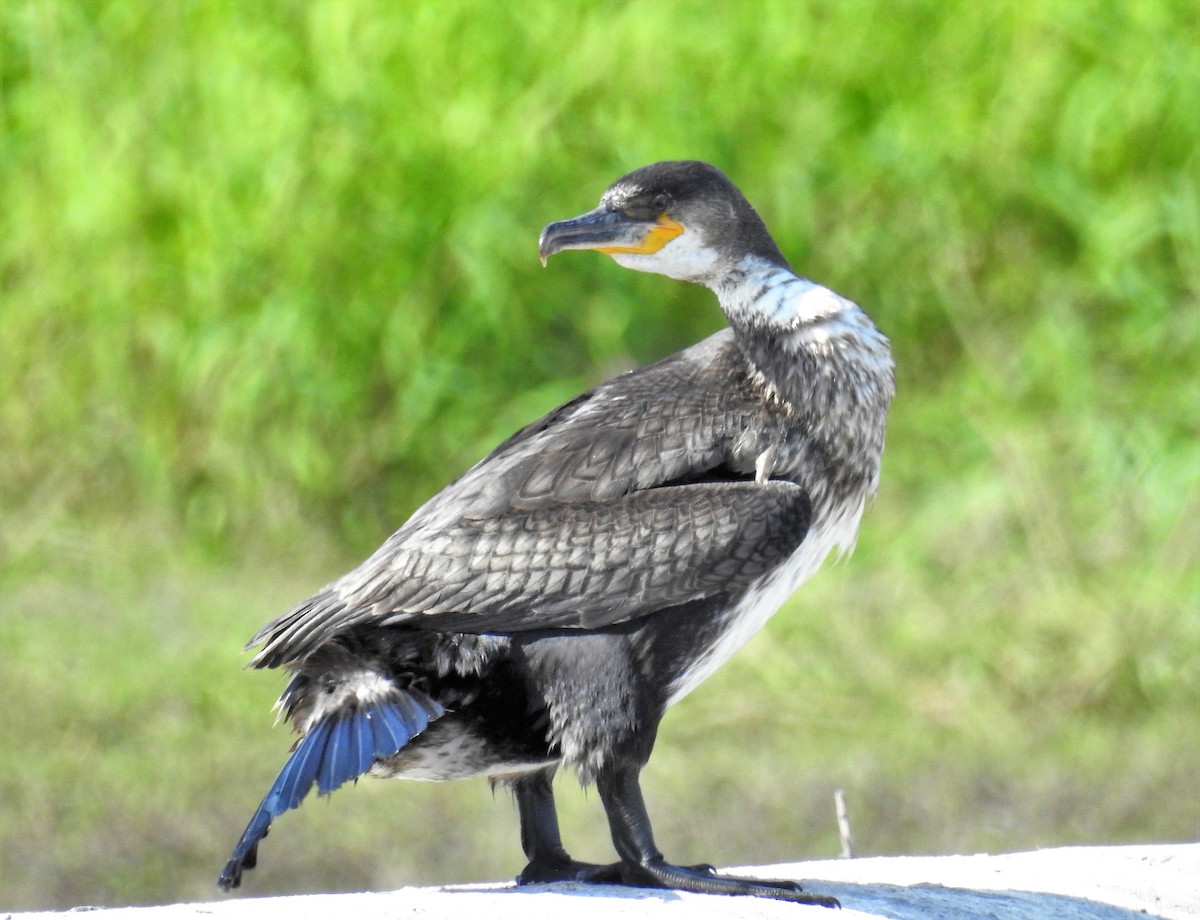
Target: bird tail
339	747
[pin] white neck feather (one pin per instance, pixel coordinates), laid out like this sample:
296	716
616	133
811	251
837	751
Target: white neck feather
804	318
762	293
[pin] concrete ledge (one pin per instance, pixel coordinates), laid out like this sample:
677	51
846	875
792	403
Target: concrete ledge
1078	883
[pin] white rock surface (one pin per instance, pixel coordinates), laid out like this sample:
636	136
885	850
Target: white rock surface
1078	883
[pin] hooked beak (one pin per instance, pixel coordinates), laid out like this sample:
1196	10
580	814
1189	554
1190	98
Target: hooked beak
606	230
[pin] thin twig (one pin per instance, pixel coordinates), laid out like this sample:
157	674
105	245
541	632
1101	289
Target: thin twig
843	820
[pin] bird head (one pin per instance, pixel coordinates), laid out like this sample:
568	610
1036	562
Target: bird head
680	218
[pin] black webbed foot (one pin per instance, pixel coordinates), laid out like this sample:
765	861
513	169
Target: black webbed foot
542	872
705	880
702	879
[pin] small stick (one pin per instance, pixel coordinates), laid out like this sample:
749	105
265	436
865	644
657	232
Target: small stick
843	820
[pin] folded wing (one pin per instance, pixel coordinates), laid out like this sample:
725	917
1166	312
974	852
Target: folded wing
580	565
628	500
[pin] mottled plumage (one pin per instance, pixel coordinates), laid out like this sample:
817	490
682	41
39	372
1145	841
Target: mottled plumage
547	607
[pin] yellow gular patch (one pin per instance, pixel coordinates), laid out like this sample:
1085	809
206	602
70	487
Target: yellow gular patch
660	233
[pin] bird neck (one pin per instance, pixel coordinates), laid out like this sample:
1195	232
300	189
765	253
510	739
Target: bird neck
757	294
800	336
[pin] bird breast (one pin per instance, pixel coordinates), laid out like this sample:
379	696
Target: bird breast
749	613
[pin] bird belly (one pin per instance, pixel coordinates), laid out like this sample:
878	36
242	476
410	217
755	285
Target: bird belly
749	613
453	748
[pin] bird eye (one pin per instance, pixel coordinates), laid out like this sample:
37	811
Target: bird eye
660	202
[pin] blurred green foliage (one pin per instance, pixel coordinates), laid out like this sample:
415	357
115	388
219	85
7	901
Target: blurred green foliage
269	279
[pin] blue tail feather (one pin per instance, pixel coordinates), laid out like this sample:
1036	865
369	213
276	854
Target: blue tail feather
362	744
387	741
398	722
415	717
430	708
335	750
298	773
334	764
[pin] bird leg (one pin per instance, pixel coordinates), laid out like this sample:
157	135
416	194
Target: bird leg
642	865
548	861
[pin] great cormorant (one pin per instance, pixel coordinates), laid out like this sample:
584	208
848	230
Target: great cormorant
546	609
